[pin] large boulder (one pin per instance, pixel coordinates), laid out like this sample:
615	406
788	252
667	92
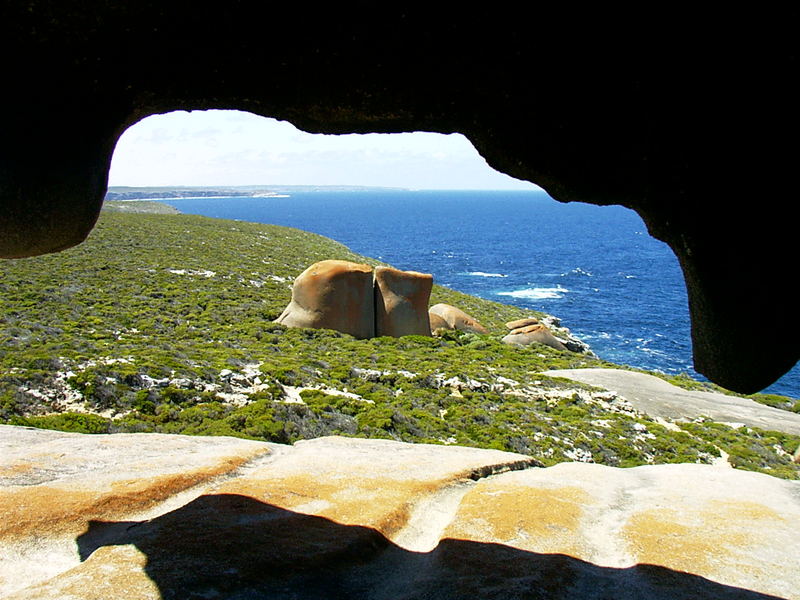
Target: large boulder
152	516
401	302
457	318
534	334
333	294
352	298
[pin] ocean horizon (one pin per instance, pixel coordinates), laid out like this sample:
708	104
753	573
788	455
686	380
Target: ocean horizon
596	268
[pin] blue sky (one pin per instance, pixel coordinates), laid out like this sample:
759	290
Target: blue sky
236	148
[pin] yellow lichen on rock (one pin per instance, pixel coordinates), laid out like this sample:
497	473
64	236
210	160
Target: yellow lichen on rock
710	541
546	520
110	516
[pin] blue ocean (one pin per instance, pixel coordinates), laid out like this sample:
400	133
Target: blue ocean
596	268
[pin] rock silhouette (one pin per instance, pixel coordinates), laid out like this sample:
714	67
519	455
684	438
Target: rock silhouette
249	548
466	72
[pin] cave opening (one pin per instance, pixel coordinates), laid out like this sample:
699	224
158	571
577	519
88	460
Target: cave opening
429	202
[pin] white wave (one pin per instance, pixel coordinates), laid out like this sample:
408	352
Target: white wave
653	352
537	293
482	274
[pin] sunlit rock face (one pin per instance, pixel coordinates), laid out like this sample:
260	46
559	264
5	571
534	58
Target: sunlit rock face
455	318
519	323
523	336
401	302
162	516
352	298
333	294
681	133
437	322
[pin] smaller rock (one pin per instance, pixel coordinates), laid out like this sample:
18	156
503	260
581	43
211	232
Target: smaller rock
437	322
537	333
512	325
457	318
526	329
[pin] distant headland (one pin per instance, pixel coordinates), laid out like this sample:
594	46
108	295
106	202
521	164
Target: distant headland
124	193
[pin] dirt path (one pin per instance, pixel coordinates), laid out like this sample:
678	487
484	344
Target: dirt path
658	398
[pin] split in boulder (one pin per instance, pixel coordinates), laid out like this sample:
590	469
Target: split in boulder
364	302
333	294
352	298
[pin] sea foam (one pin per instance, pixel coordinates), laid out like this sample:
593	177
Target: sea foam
482	274
537	293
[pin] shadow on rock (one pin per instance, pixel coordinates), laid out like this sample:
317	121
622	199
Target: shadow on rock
235	547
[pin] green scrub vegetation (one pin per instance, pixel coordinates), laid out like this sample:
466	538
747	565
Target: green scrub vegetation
164	323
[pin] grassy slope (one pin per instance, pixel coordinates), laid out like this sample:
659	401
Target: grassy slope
163	323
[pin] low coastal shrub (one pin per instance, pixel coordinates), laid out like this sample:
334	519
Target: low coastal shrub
72	422
164	324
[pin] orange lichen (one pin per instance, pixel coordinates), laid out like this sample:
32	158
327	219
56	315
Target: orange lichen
541	520
702	541
20	468
63	509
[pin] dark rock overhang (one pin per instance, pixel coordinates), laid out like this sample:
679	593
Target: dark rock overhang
689	123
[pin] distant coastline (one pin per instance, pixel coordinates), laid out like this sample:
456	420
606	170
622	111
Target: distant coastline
140	206
130	193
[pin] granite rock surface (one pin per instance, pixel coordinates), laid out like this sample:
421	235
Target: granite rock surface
519	323
161	516
457	318
658	398
352	298
333	294
531	334
401	302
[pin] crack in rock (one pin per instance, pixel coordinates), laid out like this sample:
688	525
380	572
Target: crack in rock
431	515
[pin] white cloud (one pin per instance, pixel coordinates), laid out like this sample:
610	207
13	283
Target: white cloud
237	148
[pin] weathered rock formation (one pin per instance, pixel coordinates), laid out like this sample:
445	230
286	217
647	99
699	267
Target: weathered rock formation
658	398
162	516
512	325
333	294
352	298
455	318
437	322
539	334
401	302
528	329
608	114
